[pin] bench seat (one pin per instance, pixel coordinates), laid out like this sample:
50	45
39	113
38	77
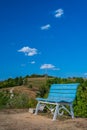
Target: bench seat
59	95
56	100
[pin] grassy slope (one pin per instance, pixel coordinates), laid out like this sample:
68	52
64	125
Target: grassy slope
34	82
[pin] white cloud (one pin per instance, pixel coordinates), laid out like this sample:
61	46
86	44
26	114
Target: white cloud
45	27
58	13
32	62
49	66
28	51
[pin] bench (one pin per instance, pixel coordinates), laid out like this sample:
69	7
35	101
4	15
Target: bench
59	96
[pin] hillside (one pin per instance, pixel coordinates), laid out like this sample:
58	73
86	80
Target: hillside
21	92
31	87
21	96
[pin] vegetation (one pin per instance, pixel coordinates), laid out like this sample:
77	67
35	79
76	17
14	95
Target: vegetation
40	85
80	103
19	100
18	81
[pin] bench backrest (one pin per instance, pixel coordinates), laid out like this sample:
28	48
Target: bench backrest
63	91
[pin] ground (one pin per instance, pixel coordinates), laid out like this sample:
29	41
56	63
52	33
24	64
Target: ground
23	120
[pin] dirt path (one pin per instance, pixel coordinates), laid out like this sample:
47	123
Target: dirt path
13	120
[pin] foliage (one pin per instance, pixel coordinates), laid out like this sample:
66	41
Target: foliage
22	100
43	90
18	81
80	104
30	86
36	75
4	98
19	101
25	81
32	103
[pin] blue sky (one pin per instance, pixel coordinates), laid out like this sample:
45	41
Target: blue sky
43	36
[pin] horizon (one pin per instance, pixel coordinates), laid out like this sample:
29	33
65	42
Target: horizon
42	76
43	36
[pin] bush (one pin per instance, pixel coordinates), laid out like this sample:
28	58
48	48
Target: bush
19	101
4	99
32	103
80	104
30	86
43	90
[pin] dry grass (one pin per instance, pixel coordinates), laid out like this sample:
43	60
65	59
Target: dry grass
22	120
35	82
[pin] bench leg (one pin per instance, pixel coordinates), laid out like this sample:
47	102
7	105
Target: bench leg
56	112
37	108
71	111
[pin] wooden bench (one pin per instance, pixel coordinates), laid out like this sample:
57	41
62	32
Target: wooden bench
59	96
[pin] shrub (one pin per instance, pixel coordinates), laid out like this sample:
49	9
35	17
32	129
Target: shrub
4	99
80	104
30	86
32	103
19	101
43	90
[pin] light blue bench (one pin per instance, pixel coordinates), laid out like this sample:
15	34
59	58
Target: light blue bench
59	96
